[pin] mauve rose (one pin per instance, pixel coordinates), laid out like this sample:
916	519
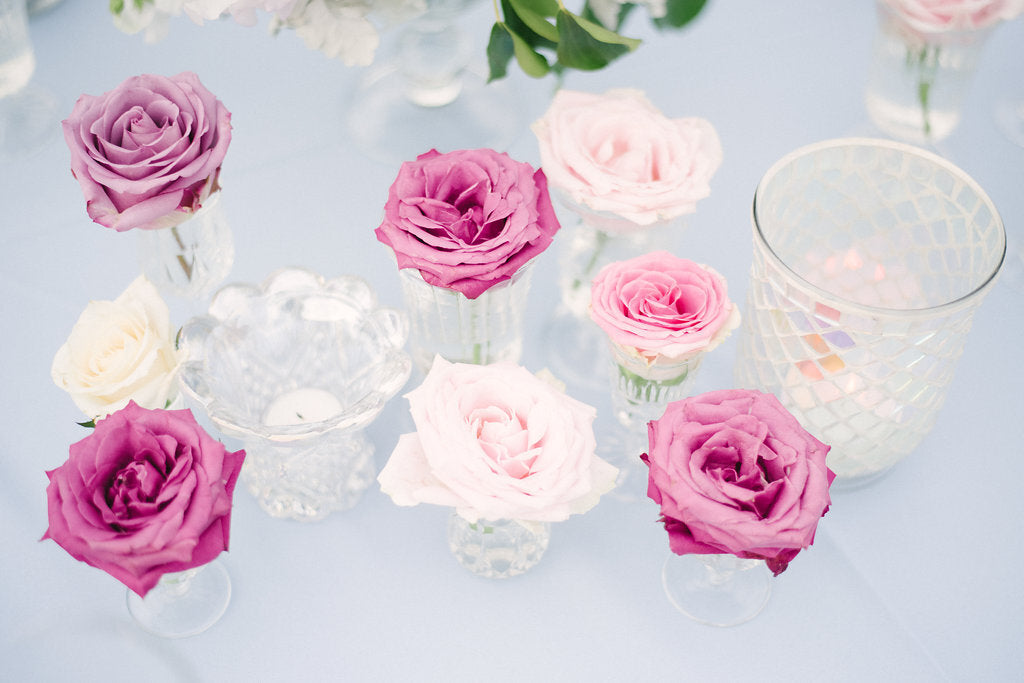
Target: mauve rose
617	153
930	16
148	492
468	219
734	472
497	442
662	305
148	153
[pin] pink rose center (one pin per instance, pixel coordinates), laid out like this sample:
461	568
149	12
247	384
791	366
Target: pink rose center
135	490
743	469
504	439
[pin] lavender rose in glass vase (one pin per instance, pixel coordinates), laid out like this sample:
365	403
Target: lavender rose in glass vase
146	497
508	450
465	228
147	156
741	486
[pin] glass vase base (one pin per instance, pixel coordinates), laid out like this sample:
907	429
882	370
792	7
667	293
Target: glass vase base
185	606
497	549
389	126
702	589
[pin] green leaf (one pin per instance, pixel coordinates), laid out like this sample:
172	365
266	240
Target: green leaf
116	6
679	13
90	424
525	20
588	46
530	61
499	52
624	10
545	8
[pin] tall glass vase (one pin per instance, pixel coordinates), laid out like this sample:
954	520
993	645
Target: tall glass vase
870	259
189	259
575	347
717	590
183	603
27	112
446	322
918	79
431	94
497	549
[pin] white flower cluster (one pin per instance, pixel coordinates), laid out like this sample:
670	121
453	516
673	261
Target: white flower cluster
343	29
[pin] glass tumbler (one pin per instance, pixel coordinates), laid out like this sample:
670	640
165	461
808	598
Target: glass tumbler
870	258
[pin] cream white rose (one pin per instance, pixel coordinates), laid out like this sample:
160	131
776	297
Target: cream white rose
497	442
617	153
118	351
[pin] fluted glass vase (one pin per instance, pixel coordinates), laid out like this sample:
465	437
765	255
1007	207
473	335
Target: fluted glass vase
183	603
189	259
446	322
497	549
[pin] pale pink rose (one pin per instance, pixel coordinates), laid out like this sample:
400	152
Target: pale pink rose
617	153
148	153
148	492
734	472
663	306
933	16
497	442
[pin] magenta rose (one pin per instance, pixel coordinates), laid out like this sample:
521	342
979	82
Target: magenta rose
148	153
148	492
661	305
468	219
735	473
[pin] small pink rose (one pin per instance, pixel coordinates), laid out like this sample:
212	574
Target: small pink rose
468	219
662	306
617	153
148	153
734	472
148	492
497	442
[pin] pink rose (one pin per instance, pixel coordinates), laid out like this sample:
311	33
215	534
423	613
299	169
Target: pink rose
617	153
148	492
497	442
931	16
662	305
148	153
734	472
467	220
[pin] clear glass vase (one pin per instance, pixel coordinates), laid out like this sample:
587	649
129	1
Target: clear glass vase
576	348
189	259
641	391
445	322
297	368
870	258
28	113
717	590
497	549
918	80
431	93
183	603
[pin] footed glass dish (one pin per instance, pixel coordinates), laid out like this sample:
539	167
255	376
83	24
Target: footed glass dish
297	367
